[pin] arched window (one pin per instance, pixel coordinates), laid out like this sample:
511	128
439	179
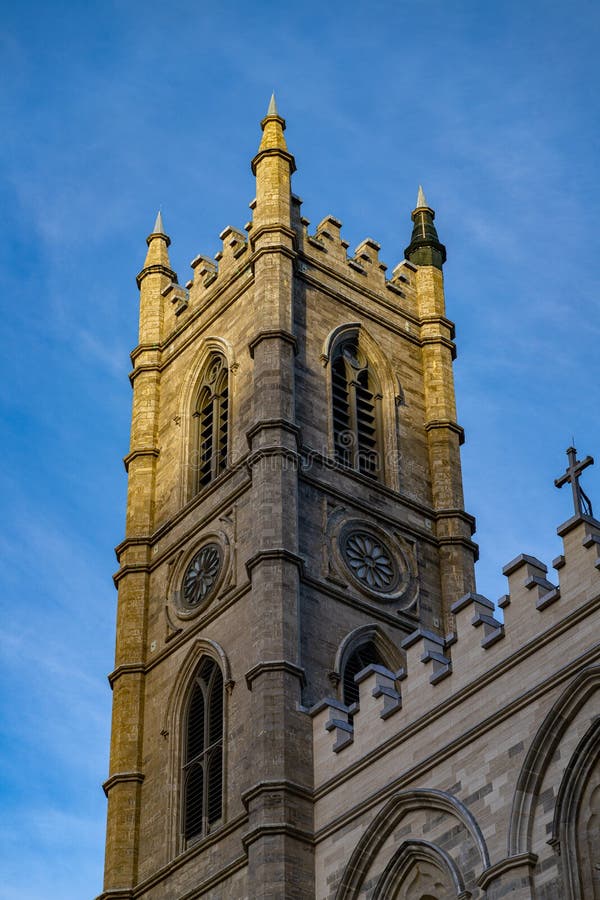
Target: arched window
211	415
356	396
364	655
203	753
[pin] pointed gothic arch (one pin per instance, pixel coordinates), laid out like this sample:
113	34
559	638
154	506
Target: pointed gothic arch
206	416
419	866
202	752
213	764
388	820
365	644
540	754
210	426
576	823
363	397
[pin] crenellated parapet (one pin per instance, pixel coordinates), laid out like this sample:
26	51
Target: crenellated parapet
363	266
205	271
209	276
235	245
481	650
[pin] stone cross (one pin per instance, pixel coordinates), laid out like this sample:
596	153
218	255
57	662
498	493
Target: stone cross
581	503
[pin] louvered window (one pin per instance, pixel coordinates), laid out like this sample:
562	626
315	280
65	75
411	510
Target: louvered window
203	753
363	656
211	423
356	411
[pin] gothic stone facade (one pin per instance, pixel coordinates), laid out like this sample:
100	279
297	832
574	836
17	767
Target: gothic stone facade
309	698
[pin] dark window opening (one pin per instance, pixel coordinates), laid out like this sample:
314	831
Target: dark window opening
356	401
203	754
359	659
211	417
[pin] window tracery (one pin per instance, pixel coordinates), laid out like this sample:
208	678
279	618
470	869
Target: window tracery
356	410
203	753
211	422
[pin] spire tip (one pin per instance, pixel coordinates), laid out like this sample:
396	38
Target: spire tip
421	201
272	110
159	228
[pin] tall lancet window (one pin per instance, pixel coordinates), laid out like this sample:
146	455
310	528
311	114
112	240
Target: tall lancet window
203	753
211	416
356	411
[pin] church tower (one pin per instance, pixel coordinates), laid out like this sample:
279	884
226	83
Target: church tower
294	512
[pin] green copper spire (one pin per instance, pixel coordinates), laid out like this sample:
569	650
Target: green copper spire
425	248
272	110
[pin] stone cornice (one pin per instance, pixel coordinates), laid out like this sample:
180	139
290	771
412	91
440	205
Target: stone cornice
267	829
527	860
271	452
448	424
126	669
273	151
456	513
138	541
283	424
269	249
442	341
156	269
274	665
144	348
139	451
439	320
284	785
144	368
457	540
272	228
274	553
274	334
573	522
130	569
122	778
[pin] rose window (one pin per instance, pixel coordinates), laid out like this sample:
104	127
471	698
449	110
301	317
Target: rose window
370	561
201	574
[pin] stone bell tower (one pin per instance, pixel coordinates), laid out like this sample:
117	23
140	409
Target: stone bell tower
294	511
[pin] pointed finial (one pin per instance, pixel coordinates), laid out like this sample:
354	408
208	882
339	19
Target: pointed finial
421	201
159	228
273	140
158	231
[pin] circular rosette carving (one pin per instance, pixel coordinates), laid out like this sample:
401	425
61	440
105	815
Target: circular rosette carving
370	560
201	575
379	563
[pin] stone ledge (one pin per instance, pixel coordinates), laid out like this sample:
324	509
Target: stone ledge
274	665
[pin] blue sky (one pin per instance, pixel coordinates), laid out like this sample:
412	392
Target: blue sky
112	110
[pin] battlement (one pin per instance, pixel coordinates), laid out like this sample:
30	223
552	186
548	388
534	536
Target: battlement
480	652
364	265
